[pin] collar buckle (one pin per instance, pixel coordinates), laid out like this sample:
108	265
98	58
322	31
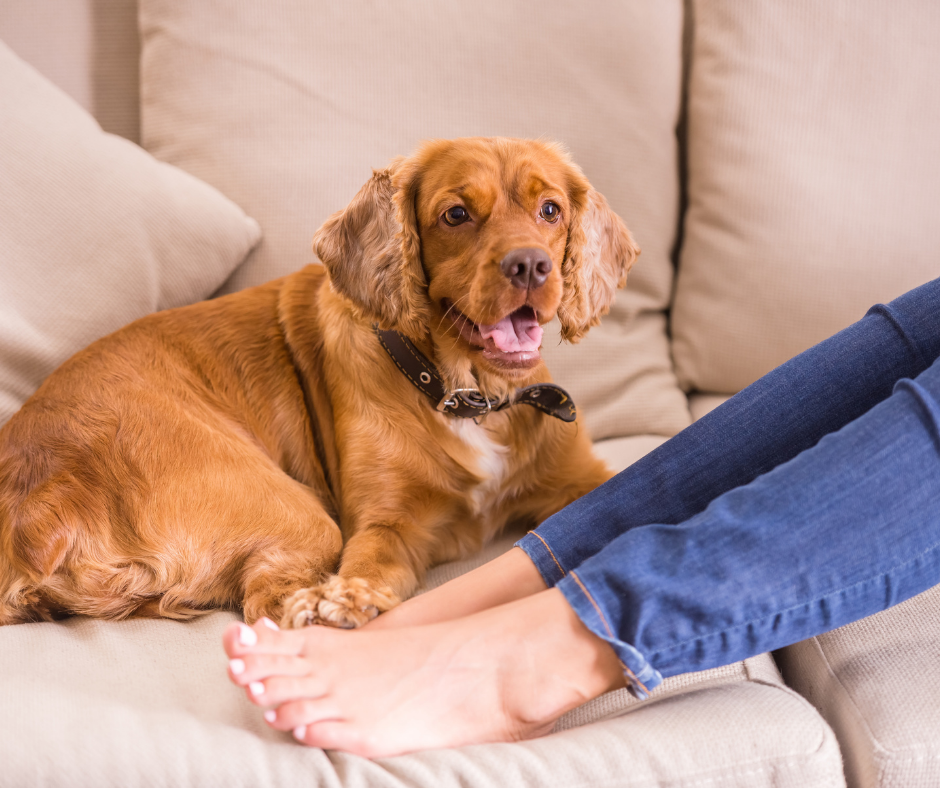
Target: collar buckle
472	398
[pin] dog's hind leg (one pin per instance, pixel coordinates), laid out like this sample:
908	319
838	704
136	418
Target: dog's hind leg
38	532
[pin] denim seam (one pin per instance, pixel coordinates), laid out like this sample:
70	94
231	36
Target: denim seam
610	634
926	401
885	311
550	552
597	608
718	633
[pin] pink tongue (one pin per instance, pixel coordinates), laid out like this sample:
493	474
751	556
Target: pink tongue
517	332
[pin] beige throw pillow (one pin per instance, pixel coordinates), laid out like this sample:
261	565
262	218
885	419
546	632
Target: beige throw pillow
286	107
94	232
814	142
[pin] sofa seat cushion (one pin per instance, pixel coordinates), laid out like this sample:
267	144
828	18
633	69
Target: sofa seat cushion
287	106
147	703
813	136
877	682
94	232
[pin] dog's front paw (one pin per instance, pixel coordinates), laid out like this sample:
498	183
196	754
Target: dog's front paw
341	602
300	608
350	602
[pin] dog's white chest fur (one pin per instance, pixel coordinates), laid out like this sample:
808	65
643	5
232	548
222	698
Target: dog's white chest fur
491	462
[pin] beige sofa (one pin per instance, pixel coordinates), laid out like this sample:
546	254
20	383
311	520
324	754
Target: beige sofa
778	163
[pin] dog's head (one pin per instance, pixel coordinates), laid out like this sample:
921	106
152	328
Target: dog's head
476	243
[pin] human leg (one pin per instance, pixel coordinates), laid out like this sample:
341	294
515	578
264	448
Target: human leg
845	529
787	411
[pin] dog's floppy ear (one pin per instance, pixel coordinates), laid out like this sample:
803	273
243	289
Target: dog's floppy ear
600	252
373	252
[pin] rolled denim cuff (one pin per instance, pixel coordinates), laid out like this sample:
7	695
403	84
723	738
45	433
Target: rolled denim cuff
543	557
640	675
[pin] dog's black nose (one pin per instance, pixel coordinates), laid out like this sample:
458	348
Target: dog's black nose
527	268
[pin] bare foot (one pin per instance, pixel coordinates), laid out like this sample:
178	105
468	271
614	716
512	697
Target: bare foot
507	578
500	675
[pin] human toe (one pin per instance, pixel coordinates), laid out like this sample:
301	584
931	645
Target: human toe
304	711
240	639
253	667
338	735
280	689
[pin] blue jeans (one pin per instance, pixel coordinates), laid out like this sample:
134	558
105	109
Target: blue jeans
809	500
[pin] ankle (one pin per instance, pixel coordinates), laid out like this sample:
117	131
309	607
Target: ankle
558	662
505	579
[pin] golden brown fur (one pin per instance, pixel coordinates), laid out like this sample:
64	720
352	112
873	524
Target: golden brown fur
262	451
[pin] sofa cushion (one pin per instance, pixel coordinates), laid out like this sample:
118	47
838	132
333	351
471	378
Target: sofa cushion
877	682
88	48
94	231
147	703
287	106
620	453
701	404
813	138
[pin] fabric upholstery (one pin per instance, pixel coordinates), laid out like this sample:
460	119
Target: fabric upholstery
94	232
700	404
620	453
88	48
288	106
877	682
813	133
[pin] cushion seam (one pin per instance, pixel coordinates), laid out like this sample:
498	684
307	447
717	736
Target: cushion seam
718	775
879	748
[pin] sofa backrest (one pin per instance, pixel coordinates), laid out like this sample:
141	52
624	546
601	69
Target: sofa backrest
286	106
89	48
813	189
811	143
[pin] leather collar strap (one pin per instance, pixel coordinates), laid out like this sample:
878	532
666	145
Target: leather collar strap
469	403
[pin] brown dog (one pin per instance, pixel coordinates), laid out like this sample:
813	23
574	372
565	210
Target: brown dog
239	452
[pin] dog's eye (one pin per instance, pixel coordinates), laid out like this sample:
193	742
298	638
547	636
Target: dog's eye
550	212
456	215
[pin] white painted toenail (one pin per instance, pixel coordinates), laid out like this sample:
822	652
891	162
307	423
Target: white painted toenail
237	666
299	732
270	715
256	688
247	636
270	624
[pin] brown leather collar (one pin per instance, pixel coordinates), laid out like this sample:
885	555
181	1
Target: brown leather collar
469	403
